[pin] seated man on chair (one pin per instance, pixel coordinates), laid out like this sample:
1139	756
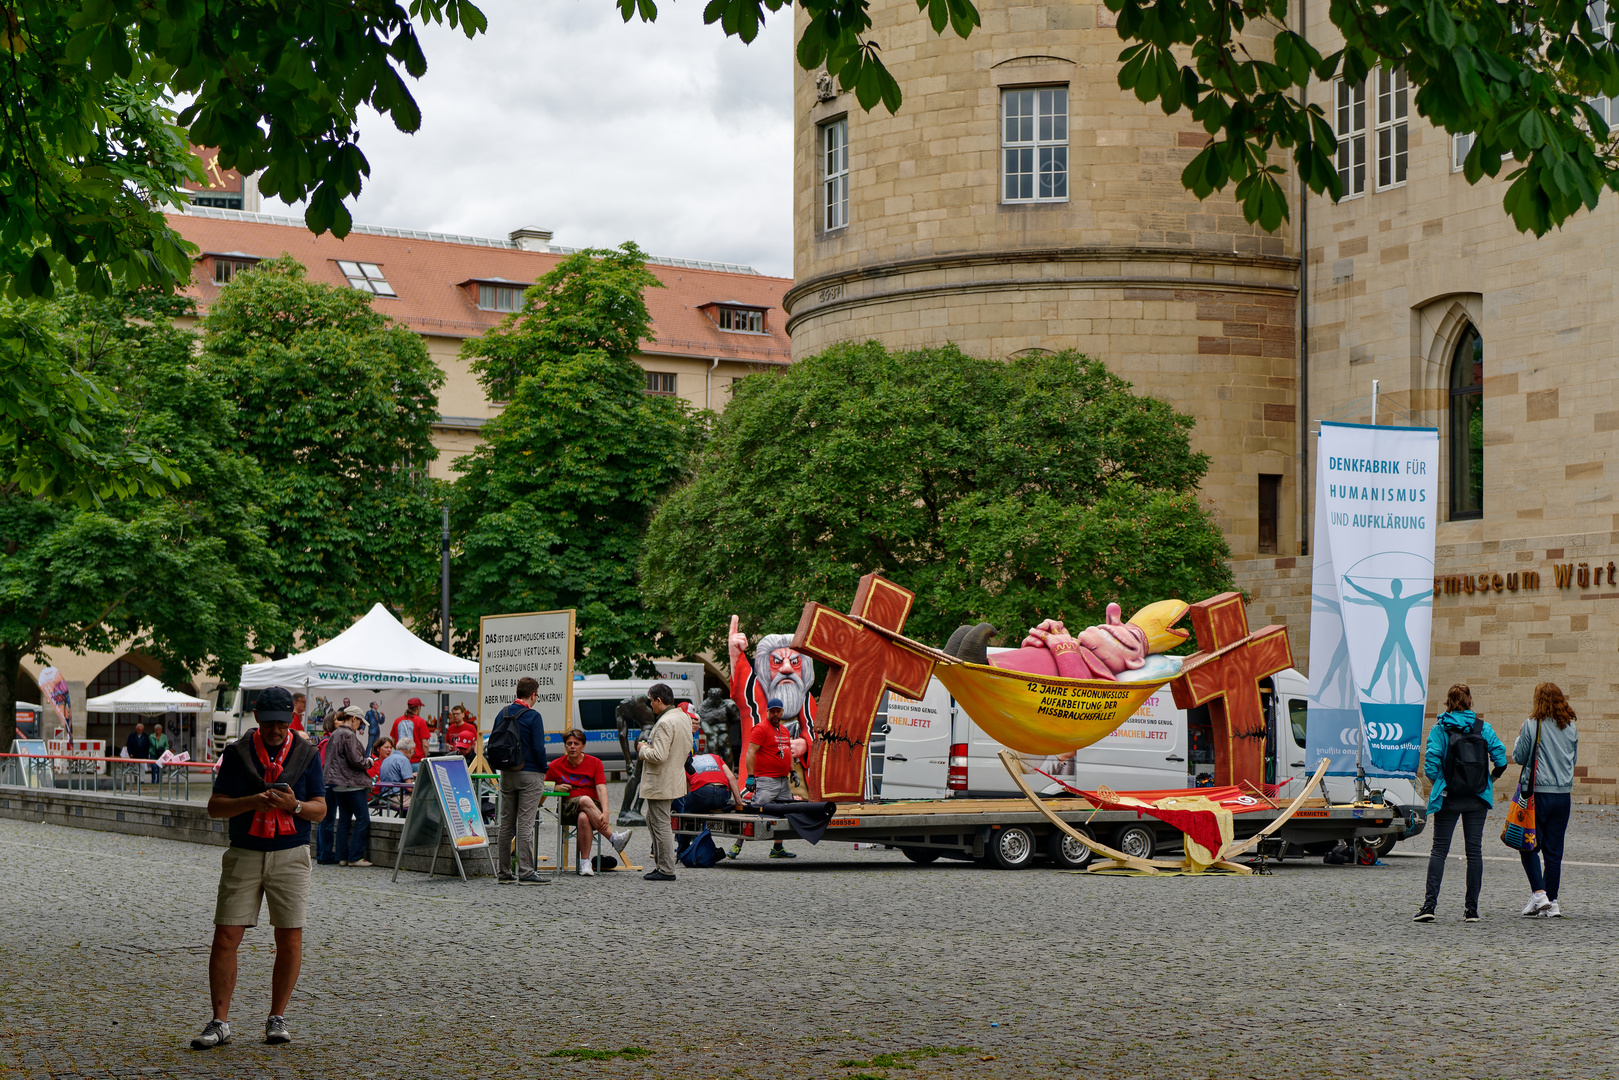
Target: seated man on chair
586	803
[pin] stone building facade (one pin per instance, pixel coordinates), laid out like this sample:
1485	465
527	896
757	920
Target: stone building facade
1019	202
1503	342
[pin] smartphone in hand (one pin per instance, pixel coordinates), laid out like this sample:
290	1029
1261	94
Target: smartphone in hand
281	787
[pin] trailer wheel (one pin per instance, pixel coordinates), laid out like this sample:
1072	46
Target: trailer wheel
920	854
1066	853
1134	840
1012	848
1382	844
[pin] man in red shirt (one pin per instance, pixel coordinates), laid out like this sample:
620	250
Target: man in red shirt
767	762
463	733
412	726
586	803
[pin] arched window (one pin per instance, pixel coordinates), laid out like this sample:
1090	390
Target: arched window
1467	427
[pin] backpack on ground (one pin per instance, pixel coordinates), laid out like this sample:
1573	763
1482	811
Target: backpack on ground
1467	760
701	851
504	751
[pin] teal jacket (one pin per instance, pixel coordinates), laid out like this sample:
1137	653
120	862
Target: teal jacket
1433	759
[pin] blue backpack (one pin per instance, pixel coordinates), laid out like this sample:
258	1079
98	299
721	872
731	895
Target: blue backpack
701	851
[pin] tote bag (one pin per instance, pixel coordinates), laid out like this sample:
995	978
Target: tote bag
1519	832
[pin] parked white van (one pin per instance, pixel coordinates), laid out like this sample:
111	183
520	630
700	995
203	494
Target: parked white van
934	750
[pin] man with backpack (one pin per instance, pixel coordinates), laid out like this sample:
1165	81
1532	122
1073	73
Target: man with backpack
516	750
1460	752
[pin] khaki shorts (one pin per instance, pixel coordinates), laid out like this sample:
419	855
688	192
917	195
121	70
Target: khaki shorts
247	878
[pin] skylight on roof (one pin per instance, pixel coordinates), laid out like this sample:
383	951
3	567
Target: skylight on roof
367	277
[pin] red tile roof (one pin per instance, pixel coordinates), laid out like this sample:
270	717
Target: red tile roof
428	274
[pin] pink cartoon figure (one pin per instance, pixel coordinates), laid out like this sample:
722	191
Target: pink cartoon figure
1109	650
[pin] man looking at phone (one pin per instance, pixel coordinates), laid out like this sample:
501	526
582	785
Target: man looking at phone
271	788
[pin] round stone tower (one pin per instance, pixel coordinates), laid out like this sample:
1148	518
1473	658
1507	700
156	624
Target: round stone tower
1021	201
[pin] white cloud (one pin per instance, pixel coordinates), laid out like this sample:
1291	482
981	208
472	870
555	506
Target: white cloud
564	117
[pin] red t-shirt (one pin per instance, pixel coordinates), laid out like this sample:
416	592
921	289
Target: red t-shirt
581	778
464	736
418	734
774	757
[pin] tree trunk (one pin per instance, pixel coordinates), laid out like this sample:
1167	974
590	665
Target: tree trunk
10	662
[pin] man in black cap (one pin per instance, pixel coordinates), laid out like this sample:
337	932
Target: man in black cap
271	788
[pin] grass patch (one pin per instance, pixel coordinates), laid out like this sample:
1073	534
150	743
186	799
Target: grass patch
901	1060
585	1053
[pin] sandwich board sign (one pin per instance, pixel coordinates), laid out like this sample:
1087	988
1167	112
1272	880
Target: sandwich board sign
444	800
538	644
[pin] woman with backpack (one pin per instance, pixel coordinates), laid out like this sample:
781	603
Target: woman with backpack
1547	747
1461	748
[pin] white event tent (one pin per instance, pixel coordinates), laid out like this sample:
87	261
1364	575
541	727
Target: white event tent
145	696
376	653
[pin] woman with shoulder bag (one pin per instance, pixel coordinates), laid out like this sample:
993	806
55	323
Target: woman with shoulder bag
1461	748
1547	748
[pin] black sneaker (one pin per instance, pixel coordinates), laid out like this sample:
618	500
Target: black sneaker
504	878
1424	915
275	1031
657	875
533	878
217	1033
1471	916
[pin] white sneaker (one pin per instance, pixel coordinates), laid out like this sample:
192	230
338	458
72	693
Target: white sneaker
1537	904
586	870
620	839
1551	911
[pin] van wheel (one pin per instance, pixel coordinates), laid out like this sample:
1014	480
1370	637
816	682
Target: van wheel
920	854
1066	853
1012	848
1134	840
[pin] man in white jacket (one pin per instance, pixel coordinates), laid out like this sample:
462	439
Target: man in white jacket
663	775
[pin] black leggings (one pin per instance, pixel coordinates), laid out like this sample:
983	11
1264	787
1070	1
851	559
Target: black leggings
1444	824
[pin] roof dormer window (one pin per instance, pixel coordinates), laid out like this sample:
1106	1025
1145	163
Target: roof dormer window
500	297
228	265
741	320
367	277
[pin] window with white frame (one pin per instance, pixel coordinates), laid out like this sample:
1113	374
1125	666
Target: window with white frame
227	268
1460	146
367	277
1034	144
661	383
1350	127
742	320
500	297
834	174
1606	107
1393	126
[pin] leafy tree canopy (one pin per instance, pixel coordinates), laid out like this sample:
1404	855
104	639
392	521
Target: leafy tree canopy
1007	492
551	510
336	403
176	572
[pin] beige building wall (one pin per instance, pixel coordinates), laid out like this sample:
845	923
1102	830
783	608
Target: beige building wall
1396	276
1182	298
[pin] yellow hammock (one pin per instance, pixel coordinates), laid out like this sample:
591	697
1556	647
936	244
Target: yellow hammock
1041	714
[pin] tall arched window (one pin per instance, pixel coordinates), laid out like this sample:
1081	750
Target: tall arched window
1467	427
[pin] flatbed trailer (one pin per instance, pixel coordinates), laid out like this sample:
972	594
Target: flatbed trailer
1010	834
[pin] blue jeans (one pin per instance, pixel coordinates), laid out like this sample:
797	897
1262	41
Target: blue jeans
1551	823
353	818
708	799
326	837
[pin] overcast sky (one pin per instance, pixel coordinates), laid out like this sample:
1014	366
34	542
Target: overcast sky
564	117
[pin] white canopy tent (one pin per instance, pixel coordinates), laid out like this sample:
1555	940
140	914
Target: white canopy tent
144	696
376	653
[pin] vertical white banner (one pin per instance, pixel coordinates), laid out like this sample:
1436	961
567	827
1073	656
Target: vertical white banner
1371	593
534	643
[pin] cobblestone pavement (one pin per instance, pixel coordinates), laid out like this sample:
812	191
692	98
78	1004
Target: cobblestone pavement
844	964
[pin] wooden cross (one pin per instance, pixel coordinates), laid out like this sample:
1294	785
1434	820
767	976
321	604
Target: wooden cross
862	663
1225	677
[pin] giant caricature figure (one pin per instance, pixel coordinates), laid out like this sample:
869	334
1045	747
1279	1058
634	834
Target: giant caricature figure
777	671
1114	651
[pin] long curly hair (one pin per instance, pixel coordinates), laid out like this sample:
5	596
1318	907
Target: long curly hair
1550	704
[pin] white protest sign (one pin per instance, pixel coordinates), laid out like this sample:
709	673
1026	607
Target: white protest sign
538	644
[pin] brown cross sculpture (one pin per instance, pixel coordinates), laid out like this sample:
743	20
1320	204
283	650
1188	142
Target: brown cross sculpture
862	662
1225	677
